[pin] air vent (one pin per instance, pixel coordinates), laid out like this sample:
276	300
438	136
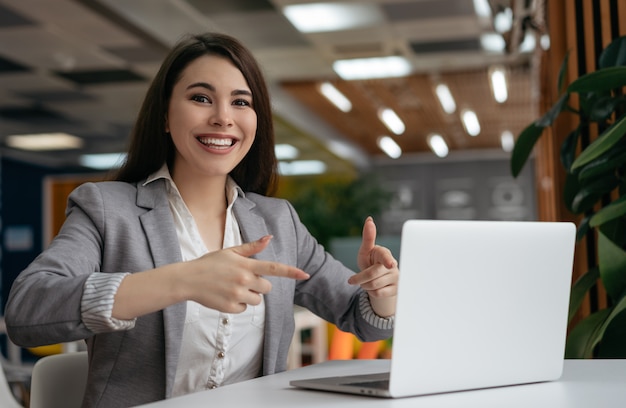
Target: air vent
100	76
56	96
427	9
461	45
354	50
211	8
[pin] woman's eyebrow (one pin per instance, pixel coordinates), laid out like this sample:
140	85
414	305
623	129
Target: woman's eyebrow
212	88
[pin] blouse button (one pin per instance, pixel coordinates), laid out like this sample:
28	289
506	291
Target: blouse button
221	354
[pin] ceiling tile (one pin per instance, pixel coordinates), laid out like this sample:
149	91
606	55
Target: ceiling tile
138	54
10	18
95	77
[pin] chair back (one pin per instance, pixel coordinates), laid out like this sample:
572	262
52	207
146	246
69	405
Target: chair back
7	398
59	381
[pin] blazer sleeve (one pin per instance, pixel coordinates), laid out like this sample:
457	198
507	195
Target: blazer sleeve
327	292
44	304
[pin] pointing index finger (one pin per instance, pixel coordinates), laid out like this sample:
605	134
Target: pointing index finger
282	270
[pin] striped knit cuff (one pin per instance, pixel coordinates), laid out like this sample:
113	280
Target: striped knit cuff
383	323
97	303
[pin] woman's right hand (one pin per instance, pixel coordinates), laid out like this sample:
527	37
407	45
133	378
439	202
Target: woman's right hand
227	280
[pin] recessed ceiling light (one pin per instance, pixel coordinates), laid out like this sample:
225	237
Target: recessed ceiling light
507	141
445	98
503	21
437	144
499	85
529	43
470	122
492	42
367	68
482	8
44	141
319	17
335	97
391	120
389	146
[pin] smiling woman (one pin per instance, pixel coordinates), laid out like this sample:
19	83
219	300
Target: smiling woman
182	273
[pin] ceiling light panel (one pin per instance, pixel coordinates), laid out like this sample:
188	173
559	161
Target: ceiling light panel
104	161
301	167
321	17
44	141
369	68
286	151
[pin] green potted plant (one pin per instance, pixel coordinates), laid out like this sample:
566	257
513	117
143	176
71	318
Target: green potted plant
595	189
338	208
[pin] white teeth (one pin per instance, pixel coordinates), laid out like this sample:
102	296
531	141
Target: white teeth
208	141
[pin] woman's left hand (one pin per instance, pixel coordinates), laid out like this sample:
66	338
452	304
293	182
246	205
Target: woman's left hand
379	272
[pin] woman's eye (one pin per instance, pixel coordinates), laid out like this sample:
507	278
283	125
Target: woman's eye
241	102
200	98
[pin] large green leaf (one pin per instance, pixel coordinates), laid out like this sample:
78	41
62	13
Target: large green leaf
550	116
580	289
614	54
613	344
524	146
599	81
612	211
584	336
612	263
603	165
588	332
571	187
583	228
603	143
589	193
603	106
569	147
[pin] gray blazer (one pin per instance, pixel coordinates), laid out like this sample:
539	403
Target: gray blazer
121	227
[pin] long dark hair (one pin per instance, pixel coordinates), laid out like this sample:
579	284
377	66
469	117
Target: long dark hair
150	145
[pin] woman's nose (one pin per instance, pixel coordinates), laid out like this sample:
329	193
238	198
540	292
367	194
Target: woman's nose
221	115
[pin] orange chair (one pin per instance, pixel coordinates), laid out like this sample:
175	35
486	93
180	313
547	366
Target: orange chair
345	346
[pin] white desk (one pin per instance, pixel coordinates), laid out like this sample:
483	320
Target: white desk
585	383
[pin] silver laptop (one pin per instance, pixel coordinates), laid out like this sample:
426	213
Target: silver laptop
480	304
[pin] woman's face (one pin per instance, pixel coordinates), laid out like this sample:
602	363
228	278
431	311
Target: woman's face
211	118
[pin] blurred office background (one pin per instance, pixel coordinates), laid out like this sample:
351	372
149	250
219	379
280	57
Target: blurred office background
423	98
73	73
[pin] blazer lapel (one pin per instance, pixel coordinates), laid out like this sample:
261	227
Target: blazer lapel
161	235
253	227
